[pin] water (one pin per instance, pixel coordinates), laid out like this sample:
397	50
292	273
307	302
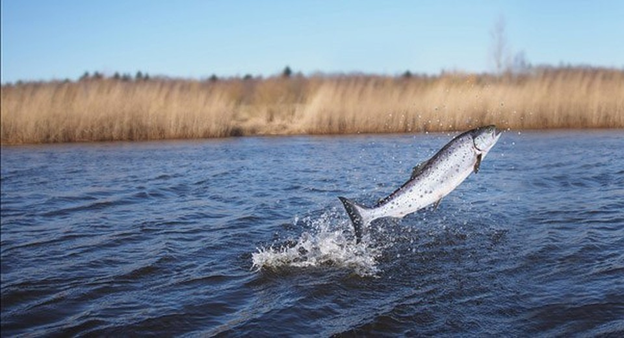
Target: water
245	236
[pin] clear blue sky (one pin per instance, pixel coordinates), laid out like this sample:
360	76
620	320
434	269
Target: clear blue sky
58	39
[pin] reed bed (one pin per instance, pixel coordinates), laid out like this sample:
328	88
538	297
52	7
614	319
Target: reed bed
107	109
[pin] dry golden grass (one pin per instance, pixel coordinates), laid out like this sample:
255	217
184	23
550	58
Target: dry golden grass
107	109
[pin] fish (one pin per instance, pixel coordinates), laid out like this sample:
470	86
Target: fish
430	181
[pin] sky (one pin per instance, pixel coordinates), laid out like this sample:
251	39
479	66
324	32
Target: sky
62	39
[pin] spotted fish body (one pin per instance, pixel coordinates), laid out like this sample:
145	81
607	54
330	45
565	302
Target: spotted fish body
430	181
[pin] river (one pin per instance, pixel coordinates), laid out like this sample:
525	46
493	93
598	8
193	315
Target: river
246	237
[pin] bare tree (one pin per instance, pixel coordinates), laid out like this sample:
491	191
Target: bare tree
500	46
521	64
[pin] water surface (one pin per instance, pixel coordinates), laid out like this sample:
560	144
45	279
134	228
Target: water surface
245	236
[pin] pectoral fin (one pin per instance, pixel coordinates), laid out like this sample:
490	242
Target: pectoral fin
477	164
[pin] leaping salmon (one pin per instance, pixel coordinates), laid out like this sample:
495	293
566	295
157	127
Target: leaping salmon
430	180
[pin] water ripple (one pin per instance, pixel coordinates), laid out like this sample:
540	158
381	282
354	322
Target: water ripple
245	237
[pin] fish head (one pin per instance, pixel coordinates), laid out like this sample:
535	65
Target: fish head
485	138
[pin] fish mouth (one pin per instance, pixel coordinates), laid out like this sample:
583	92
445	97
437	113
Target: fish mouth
497	135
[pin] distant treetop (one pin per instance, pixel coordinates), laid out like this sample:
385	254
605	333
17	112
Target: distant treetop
287	72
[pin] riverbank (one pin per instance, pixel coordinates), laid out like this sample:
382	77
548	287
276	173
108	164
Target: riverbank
109	109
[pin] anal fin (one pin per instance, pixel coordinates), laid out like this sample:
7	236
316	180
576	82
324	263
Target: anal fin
436	204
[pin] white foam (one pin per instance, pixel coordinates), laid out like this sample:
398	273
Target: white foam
325	244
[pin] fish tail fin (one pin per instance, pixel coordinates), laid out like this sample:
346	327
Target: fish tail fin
359	217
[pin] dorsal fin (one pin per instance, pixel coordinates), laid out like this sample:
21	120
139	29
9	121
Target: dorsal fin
418	169
415	172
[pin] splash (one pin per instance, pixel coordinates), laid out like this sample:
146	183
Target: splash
325	244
